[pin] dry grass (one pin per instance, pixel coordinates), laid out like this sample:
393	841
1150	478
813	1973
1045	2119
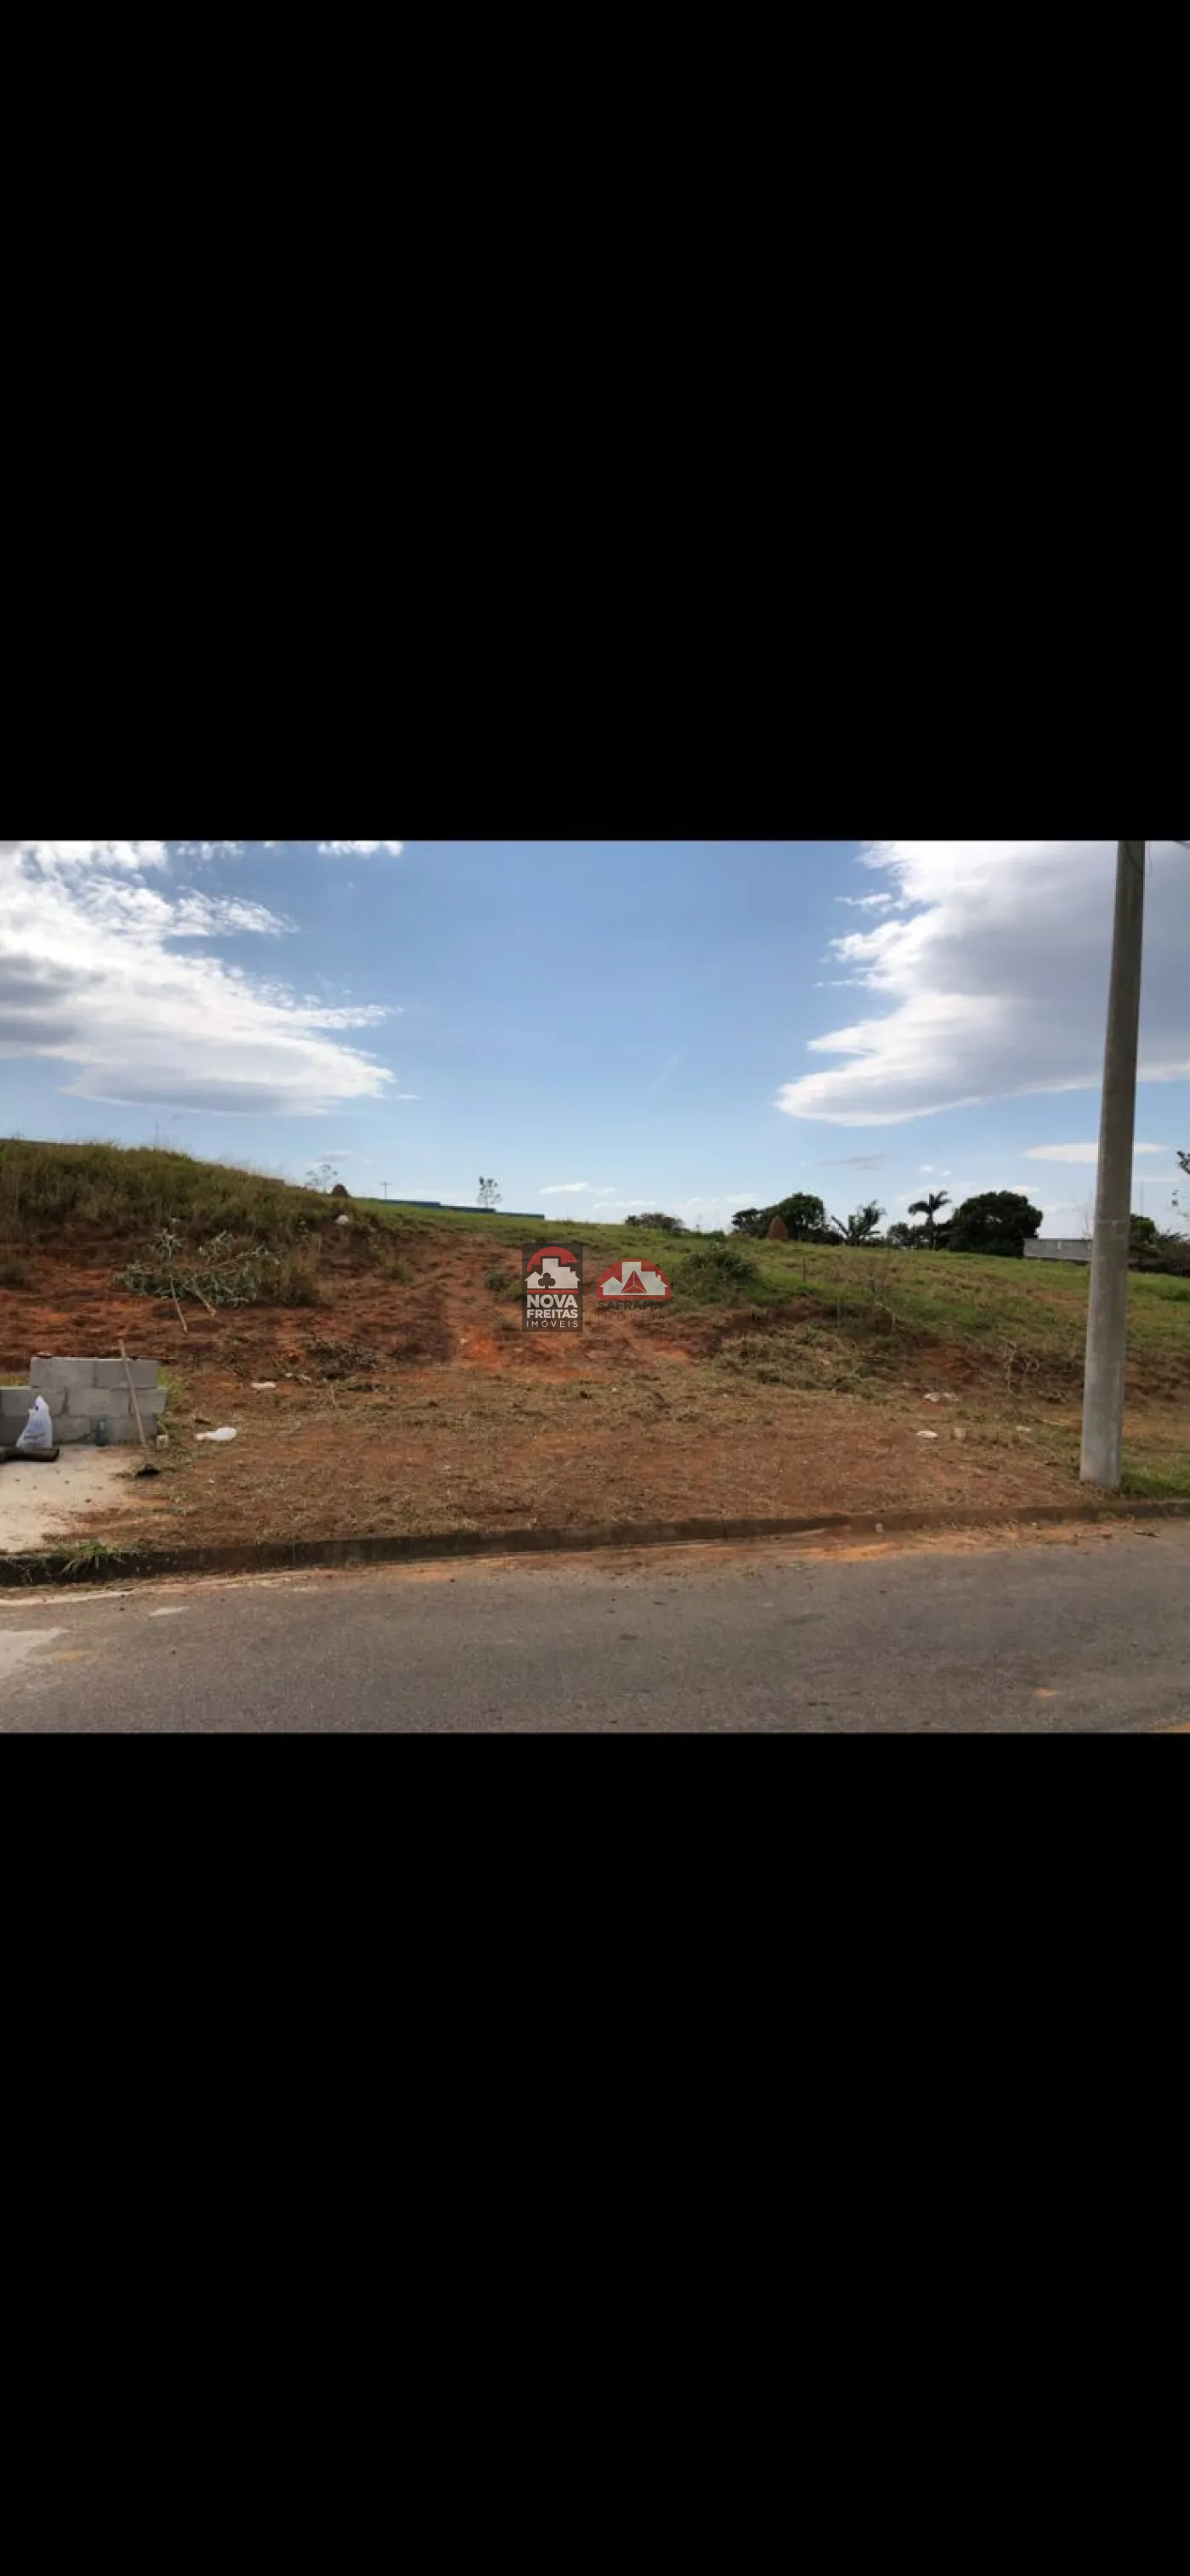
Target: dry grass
466	1448
55	1191
413	1400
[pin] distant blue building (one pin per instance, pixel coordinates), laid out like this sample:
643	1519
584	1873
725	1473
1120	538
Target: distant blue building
449	1207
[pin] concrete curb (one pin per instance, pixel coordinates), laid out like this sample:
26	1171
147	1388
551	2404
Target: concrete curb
287	1556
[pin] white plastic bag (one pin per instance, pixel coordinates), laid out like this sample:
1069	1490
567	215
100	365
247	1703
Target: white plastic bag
218	1436
39	1430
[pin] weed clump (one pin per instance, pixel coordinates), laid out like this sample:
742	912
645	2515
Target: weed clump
222	1273
718	1274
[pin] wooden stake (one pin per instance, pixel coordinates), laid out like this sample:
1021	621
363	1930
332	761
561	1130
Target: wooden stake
135	1407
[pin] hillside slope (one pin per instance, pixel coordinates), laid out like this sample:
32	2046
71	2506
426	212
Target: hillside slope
402	1392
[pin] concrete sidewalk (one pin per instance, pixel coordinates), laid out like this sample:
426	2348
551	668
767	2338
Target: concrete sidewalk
35	1501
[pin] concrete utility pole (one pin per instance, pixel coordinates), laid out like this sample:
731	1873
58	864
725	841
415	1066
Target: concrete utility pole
1107	1327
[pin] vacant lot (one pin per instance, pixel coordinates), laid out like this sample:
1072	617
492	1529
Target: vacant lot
405	1396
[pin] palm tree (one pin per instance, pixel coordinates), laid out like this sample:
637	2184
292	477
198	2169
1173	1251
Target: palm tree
863	1227
930	1207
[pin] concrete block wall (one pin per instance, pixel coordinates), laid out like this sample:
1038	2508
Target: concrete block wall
79	1392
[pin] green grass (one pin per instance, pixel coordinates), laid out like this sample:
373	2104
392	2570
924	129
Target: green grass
460	1220
1024	1316
53	1191
1046	1302
1037	1309
1170	1483
94	1552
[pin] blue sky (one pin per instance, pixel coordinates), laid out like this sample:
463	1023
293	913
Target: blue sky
697	1025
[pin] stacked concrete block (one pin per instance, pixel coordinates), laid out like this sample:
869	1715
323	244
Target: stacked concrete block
80	1393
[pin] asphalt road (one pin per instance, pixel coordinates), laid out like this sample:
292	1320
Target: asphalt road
1088	1634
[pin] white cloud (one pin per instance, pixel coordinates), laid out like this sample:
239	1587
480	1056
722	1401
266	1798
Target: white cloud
992	973
92	978
208	849
566	1190
360	849
1077	1153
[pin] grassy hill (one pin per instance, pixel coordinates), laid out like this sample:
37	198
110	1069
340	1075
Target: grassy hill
381	1378
1031	1317
127	1193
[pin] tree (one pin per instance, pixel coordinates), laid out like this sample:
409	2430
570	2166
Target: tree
1167	1252
1155	1248
863	1226
660	1223
804	1215
930	1207
906	1238
323	1177
1000	1221
489	1194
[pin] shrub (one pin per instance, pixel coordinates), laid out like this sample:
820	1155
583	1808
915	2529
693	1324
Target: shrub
294	1281
1161	1251
717	1274
222	1273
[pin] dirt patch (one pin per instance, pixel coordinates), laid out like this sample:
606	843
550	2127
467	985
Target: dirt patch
462	1447
85	1490
415	1402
